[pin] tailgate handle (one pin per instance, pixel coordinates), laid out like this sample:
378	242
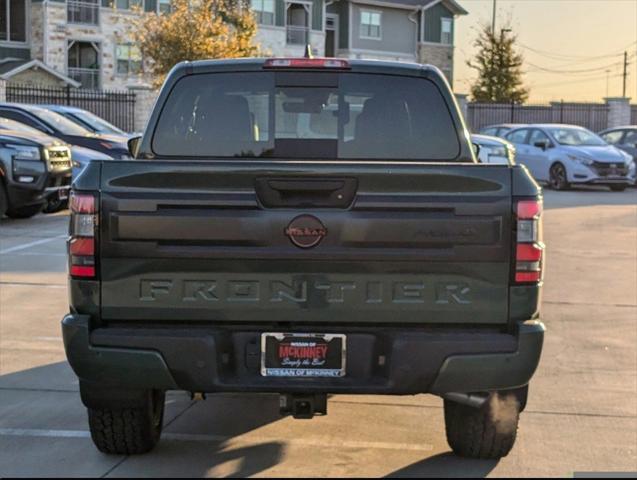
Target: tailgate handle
305	186
306	192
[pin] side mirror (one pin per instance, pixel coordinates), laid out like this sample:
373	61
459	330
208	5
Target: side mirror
476	149
133	145
542	144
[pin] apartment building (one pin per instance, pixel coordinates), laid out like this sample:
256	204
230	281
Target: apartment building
87	43
72	41
404	30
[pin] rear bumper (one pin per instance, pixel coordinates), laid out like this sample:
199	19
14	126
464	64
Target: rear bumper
379	361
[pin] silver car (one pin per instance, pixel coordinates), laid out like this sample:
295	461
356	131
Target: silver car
564	155
624	138
500	129
494	150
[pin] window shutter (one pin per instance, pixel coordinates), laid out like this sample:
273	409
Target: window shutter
317	15
279	14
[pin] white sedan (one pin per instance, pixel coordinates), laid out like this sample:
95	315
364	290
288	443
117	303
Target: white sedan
494	149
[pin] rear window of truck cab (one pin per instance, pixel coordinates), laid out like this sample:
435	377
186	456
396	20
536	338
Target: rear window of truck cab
340	116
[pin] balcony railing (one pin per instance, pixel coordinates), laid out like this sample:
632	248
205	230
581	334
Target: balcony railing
88	77
297	35
86	12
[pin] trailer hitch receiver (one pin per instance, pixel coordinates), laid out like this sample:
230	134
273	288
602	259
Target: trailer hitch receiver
303	406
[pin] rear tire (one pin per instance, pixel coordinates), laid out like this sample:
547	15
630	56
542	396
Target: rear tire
24	212
558	179
55	206
618	188
487	432
128	431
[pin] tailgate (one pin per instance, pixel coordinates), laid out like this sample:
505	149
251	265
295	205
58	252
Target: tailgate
305	242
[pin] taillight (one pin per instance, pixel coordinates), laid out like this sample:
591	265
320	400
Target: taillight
306	63
529	250
83	208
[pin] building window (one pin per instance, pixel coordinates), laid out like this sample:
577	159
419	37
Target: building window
84	63
163	6
128	4
13	21
128	58
445	31
264	11
297	23
83	11
370	24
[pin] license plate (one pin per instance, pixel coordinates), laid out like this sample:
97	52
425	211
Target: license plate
63	194
302	355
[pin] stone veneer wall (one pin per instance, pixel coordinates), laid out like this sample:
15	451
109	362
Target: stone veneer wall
50	45
618	111
439	55
144	101
113	28
37	31
35	76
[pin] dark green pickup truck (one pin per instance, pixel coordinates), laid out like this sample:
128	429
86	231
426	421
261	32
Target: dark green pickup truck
304	227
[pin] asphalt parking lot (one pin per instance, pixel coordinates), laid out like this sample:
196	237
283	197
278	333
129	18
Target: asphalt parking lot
581	416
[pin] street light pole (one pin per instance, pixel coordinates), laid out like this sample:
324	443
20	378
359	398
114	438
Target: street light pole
625	73
493	19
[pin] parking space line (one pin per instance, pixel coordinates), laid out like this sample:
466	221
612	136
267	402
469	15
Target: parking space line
185	437
17	338
15	232
30	244
30	284
32	432
39	390
41	254
589	304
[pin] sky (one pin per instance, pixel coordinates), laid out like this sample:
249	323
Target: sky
573	49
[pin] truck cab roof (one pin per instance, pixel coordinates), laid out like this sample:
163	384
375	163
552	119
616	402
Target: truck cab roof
258	63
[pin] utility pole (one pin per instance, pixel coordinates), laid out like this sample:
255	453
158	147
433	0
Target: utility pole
625	73
493	19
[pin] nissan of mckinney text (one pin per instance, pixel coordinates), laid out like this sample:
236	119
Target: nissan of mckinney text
304	227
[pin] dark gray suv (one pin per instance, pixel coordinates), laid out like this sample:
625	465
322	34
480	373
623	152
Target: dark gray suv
34	168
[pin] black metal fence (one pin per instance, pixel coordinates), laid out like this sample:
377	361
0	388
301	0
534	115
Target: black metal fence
115	107
593	116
